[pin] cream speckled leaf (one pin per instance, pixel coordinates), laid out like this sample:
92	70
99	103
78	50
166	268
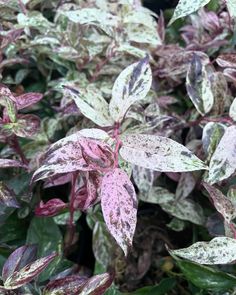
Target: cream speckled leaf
185	186
131	85
220	250
198	86
223	161
91	104
186	7
159	153
232	110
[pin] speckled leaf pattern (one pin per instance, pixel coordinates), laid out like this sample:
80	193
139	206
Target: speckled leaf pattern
132	85
183	209
28	272
211	136
143	178
97	285
74	153
18	259
7	196
50	208
220	250
223	161
119	207
185	186
222	204
219	89
199	86
232	110
159	153
186	7
6	163
91	104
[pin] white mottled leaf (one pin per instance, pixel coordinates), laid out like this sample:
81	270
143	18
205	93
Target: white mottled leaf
232	110
211	136
91	104
185	186
222	204
231	5
159	153
183	209
223	161
199	86
119	207
186	7
220	250
132	85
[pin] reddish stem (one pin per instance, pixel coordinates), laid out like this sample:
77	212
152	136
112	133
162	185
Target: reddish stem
14	143
118	143
71	226
232	227
22	7
219	120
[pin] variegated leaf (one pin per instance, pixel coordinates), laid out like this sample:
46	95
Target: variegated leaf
183	209
231	5
28	272
199	86
223	162
50	208
186	7
232	110
227	60
219	89
185	186
91	104
18	259
159	153
211	136
97	285
7	196
222	204
132	85
119	207
220	250
6	163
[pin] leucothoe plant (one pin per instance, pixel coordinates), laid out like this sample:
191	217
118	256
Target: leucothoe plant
93	154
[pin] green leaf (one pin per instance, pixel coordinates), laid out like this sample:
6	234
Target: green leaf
46	235
206	277
161	289
186	7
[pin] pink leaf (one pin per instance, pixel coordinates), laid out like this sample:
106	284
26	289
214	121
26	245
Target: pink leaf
119	207
18	259
28	272
51	208
97	285
222	204
69	285
27	99
27	125
7	163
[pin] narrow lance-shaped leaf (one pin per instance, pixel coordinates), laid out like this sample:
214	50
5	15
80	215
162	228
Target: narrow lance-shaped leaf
119	207
222	204
199	86
18	259
227	60
7	196
159	153
97	285
232	110
186	7
50	208
223	162
7	163
91	104
132	85
186	185
69	285
220	250
27	99
28	272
